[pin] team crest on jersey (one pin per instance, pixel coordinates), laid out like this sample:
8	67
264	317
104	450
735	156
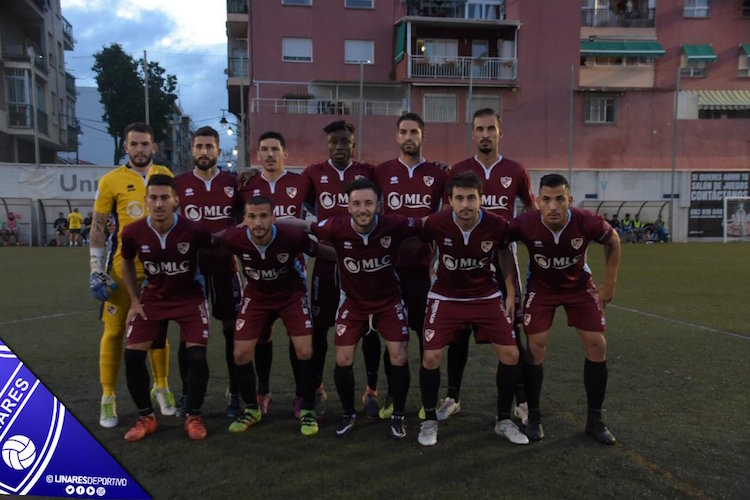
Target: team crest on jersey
487	246
429	333
283	257
291	191
111	309
183	247
340	329
385	241
229	191
189	192
428	180
239	324
506	181
526	319
576	243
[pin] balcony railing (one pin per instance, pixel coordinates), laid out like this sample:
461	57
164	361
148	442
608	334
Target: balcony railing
237	66
19	115
70	84
463	68
68	33
325	107
461	9
642	18
237	6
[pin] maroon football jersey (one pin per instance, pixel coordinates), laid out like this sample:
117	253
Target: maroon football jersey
170	261
288	192
502	183
215	204
464	259
411	192
328	186
558	260
366	261
272	271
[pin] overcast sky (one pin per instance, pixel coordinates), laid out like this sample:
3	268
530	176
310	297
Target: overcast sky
186	37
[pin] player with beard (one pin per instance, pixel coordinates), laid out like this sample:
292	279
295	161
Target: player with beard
413	187
503	181
121	194
288	192
168	246
208	196
327	193
557	237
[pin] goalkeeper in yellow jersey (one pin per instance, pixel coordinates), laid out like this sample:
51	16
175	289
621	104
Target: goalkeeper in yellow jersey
121	195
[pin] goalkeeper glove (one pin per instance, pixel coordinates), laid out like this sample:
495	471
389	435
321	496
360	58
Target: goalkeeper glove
102	285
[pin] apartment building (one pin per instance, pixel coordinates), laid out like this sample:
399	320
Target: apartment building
37	95
595	84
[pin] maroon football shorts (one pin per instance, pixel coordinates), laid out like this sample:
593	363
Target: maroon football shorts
257	315
352	322
487	316
581	306
190	314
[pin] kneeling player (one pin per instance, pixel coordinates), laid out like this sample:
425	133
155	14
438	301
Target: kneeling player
168	245
275	288
557	236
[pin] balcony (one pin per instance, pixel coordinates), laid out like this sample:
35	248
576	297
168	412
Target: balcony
68	35
19	116
458	9
341	107
607	18
237	67
462	68
70	84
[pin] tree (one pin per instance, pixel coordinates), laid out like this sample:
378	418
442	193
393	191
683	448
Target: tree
119	79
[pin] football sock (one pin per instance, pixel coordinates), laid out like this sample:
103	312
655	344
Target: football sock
506	379
387	367
371	353
429	384
533	376
595	381
246	384
160	365
307	379
263	360
182	363
401	379
344	378
136	375
296	369
320	349
520	390
229	356
110	354
197	377
458	355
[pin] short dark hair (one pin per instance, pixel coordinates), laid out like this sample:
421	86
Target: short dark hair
412	117
362	183
339	125
141	127
553	180
259	200
206	132
162	180
487	112
272	134
466	179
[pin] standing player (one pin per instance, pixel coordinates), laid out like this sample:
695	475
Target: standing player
557	236
209	197
503	181
168	246
276	288
413	187
121	194
327	187
367	246
75	222
466	292
287	192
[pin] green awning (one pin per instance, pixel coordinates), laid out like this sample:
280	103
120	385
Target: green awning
636	48
746	48
723	99
699	53
400	44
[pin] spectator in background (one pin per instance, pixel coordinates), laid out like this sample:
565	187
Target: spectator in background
626	229
637	229
615	223
61	228
660	230
75	224
11	229
86	228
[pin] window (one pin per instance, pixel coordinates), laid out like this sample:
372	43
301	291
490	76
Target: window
696	8
693	69
623	61
357	51
359	4
481	101
599	110
743	65
296	2
296	50
439	108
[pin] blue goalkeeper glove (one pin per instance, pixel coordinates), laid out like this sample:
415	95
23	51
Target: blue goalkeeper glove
102	285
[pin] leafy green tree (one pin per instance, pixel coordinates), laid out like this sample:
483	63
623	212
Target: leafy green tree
120	79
